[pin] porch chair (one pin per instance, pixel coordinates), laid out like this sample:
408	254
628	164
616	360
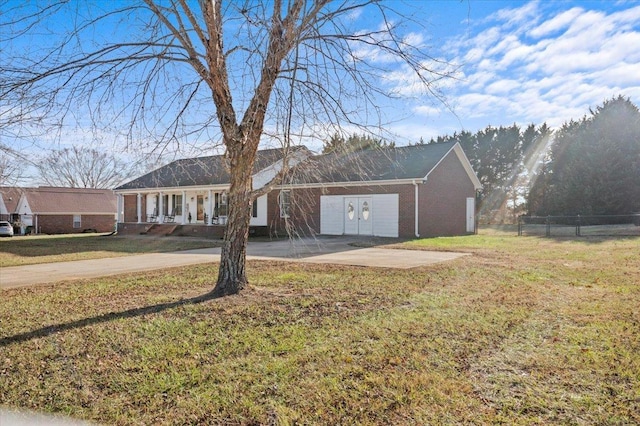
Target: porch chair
153	217
215	218
171	217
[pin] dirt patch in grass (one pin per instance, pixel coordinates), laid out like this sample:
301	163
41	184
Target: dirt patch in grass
528	331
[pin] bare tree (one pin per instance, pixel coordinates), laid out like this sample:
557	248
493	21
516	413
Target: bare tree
81	167
236	72
11	170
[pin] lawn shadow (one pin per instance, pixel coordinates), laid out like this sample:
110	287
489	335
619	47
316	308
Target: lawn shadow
99	319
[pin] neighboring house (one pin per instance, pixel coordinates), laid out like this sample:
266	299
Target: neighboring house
416	191
51	210
9	197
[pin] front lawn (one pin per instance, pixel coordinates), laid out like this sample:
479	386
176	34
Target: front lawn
526	331
34	249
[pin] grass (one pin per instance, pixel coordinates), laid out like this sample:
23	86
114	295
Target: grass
30	250
526	331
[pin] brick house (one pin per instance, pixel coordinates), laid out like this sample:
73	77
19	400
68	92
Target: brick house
416	191
52	210
189	196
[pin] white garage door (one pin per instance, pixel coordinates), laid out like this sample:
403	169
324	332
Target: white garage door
331	215
359	215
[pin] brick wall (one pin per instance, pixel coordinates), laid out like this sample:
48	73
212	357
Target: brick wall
130	208
63	224
443	199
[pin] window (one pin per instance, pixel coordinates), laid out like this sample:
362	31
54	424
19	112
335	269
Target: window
351	212
284	201
77	222
254	208
365	210
165	204
177	204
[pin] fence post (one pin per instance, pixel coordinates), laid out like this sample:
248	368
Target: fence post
548	229
578	227
519	226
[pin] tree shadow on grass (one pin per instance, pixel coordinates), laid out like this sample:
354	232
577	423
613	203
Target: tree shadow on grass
99	319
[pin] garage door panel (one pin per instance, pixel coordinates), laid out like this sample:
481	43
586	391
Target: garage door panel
385	215
331	215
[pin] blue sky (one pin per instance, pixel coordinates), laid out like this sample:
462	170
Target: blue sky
528	62
512	61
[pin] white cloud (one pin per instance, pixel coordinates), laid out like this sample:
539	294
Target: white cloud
541	63
522	16
427	110
559	22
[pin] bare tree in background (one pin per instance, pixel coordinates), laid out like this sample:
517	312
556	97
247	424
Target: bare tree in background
237	72
81	167
11	170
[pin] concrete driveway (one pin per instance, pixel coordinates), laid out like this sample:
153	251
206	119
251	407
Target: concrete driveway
327	250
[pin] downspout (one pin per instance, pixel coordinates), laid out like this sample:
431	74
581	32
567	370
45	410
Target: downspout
417	209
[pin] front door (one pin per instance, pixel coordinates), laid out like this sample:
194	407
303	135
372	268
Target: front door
200	208
357	219
364	224
471	214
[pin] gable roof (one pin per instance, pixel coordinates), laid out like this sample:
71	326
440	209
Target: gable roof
201	171
9	198
52	200
377	165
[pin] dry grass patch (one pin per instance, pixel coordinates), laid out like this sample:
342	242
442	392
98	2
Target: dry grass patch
505	336
61	248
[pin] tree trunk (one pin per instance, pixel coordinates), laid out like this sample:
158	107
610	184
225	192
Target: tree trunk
232	274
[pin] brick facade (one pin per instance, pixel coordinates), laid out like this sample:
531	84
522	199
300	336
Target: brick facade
131	208
442	200
63	224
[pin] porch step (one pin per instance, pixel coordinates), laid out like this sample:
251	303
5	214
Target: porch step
160	229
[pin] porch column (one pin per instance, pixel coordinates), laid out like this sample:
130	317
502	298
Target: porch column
160	207
184	207
209	204
139	207
122	208
118	209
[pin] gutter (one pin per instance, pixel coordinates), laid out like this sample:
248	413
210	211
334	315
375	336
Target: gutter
417	210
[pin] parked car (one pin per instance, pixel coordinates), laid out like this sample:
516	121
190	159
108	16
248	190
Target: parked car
6	229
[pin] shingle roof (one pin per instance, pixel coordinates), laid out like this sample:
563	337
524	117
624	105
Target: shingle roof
409	162
200	171
51	200
10	196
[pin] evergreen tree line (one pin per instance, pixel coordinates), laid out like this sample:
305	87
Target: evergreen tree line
498	156
353	143
593	167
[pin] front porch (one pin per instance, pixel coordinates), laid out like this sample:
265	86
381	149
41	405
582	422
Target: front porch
195	207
